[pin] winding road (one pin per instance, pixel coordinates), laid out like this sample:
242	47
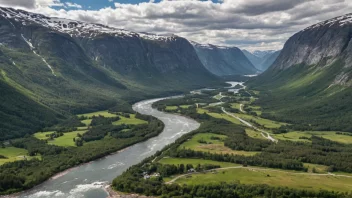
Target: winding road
241	108
264	133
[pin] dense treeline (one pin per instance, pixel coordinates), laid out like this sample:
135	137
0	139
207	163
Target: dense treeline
187	100
131	184
101	126
21	175
35	146
316	106
19	115
165	170
257	160
321	151
101	120
66	125
121	107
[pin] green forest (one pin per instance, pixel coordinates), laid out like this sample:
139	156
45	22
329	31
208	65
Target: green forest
104	138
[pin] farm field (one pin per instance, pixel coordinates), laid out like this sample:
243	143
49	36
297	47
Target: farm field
212	145
256	109
331	135
316	168
272	177
264	122
97	113
87	122
218	115
254	134
131	120
235	106
170	108
64	141
195	162
14	154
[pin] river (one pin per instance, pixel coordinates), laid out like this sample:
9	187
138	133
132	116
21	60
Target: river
88	180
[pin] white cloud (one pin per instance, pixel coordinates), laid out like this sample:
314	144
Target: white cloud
73	5
250	24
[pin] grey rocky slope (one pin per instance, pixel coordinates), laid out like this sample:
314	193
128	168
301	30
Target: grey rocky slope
321	44
312	74
224	61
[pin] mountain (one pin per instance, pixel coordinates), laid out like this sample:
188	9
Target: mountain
262	59
223	61
268	60
66	66
255	60
310	81
262	54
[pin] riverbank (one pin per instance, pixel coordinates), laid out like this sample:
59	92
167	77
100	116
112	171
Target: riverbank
80	181
114	194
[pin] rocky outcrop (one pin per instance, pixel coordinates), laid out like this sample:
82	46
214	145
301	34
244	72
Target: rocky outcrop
318	44
321	44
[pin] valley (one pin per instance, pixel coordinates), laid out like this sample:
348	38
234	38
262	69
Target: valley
238	150
94	110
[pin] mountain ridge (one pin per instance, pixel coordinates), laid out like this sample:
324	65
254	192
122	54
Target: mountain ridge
223	60
262	60
312	74
74	68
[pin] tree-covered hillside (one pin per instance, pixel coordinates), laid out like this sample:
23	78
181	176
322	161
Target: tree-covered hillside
75	67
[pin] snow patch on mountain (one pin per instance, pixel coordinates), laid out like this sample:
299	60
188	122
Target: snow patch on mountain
32	48
72	27
341	21
208	46
262	54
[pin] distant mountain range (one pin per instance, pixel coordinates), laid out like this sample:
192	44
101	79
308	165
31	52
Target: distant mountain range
310	81
262	54
56	67
51	68
262	60
224	61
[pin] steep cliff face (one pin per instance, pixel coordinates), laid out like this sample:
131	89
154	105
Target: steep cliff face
321	45
224	61
310	82
71	66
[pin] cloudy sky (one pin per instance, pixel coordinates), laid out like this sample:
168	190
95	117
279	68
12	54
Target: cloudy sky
248	24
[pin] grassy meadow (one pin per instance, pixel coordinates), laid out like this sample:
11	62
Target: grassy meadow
218	115
272	177
14	154
331	135
65	141
195	162
212	146
131	120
